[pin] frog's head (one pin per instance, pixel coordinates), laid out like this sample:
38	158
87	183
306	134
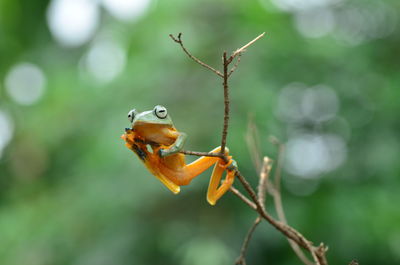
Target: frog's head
156	116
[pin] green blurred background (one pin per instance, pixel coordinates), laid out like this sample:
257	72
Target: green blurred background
325	81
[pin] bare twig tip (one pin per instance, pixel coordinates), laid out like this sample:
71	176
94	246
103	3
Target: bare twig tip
174	39
179	40
354	262
243	49
274	140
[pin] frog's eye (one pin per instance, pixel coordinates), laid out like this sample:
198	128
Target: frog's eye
160	111
131	115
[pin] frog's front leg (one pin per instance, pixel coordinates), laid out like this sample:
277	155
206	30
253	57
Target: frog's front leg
175	147
135	144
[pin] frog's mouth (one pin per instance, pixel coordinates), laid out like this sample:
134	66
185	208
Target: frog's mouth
126	136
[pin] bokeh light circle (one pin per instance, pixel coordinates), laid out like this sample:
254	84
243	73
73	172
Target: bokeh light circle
25	83
73	22
105	60
310	155
127	10
315	23
298	103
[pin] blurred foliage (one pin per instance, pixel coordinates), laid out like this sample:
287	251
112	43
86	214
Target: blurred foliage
71	193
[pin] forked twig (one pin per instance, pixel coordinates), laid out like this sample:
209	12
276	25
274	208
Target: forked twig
179	40
235	65
261	188
225	75
243	49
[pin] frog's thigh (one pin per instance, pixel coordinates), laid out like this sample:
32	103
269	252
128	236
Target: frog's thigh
168	183
200	165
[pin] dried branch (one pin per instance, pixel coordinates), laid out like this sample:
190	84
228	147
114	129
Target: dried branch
241	260
226	61
243	49
262	184
179	40
291	233
202	154
226	104
261	188
235	65
243	198
296	238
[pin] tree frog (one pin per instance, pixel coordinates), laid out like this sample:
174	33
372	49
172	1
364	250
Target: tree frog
157	143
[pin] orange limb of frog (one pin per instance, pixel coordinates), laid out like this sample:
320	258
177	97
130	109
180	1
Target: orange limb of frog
184	174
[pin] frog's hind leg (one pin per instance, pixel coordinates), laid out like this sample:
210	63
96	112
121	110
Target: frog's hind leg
198	166
214	192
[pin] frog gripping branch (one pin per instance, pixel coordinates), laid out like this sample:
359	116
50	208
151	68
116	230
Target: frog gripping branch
154	129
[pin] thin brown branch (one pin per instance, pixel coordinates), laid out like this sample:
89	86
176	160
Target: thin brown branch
186	152
241	260
243	198
226	61
226	104
262	184
261	188
320	253
179	40
243	49
288	231
235	65
281	216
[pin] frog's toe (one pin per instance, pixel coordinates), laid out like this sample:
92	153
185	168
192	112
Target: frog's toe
233	165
